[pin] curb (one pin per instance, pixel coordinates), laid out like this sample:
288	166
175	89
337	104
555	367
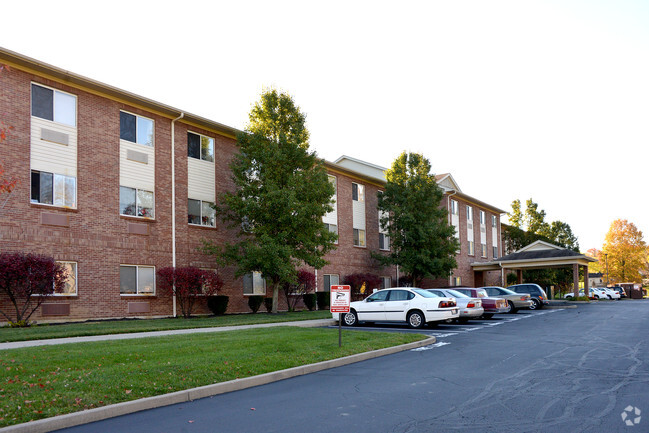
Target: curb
124	408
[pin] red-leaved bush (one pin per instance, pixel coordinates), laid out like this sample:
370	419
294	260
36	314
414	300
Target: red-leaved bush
187	283
356	282
304	284
26	280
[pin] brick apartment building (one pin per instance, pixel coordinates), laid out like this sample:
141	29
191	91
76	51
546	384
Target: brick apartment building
115	186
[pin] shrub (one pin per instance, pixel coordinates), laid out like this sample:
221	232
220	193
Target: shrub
218	304
268	303
362	284
304	284
27	280
187	283
309	300
254	302
323	299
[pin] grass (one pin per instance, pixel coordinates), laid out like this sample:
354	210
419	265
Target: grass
104	327
46	381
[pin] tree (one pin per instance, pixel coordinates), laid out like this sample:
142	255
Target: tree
27	280
422	241
282	193
188	284
305	282
627	252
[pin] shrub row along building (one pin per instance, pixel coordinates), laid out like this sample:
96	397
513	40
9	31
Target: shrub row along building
115	186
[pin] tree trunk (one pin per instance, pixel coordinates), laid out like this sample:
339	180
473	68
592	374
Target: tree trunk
275	298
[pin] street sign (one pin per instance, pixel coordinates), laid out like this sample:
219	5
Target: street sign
340	298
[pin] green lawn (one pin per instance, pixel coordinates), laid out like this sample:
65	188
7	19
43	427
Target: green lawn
42	332
45	381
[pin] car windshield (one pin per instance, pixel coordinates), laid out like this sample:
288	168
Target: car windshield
507	291
426	293
456	294
482	293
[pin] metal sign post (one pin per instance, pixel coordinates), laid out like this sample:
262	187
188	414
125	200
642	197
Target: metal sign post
340	299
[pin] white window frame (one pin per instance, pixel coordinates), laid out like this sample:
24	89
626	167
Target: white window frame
471	248
76	104
483	217
137	280
326	288
256	291
136	117
201	136
360	192
386	242
75	277
493	221
54	177
484	249
469	213
455	207
362	241
136	203
494	250
456	281
386	282
200	203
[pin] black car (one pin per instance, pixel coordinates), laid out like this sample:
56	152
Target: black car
539	297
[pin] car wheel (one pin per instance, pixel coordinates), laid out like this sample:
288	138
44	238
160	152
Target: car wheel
487	316
350	319
416	319
536	304
569	298
610	297
512	309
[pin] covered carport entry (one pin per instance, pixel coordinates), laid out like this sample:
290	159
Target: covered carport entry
537	255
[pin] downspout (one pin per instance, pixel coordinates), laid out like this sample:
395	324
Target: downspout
450	222
173	202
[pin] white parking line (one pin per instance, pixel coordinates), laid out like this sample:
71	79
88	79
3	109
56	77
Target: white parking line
432	346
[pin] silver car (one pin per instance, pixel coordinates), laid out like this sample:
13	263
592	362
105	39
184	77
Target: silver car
470	308
515	301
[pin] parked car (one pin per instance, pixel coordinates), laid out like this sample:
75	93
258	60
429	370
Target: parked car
515	301
571	295
598	293
539	297
415	306
470	308
491	305
620	290
612	294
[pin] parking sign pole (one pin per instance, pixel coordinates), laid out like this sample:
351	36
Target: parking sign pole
340	299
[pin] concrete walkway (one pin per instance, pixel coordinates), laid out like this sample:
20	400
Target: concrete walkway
53	341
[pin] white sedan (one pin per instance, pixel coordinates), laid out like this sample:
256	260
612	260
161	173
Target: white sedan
414	306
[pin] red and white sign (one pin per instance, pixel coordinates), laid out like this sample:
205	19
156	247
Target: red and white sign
340	298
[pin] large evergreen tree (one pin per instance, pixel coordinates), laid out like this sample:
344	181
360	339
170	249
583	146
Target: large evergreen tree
423	244
282	193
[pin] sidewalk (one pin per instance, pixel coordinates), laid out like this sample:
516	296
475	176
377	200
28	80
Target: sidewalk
53	341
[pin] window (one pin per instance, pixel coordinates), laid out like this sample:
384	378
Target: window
384	241
455	210
54	105
333	228
70	287
493	220
495	252
358	192
330	280
457	281
471	248
469	213
135	202
483	217
386	282
254	284
201	213
359	238
136	280
484	250
54	189
200	147
135	129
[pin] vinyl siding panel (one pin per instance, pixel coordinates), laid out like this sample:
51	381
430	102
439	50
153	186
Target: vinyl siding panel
133	173
201	183
51	156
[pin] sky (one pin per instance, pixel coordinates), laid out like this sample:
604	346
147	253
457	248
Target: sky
518	99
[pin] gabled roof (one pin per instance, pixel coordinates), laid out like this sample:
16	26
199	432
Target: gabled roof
446	181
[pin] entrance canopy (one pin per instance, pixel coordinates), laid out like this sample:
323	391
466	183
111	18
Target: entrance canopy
537	255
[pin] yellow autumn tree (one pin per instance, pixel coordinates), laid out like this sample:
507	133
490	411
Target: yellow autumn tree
627	252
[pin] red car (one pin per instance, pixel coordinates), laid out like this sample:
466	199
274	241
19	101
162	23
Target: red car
491	305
